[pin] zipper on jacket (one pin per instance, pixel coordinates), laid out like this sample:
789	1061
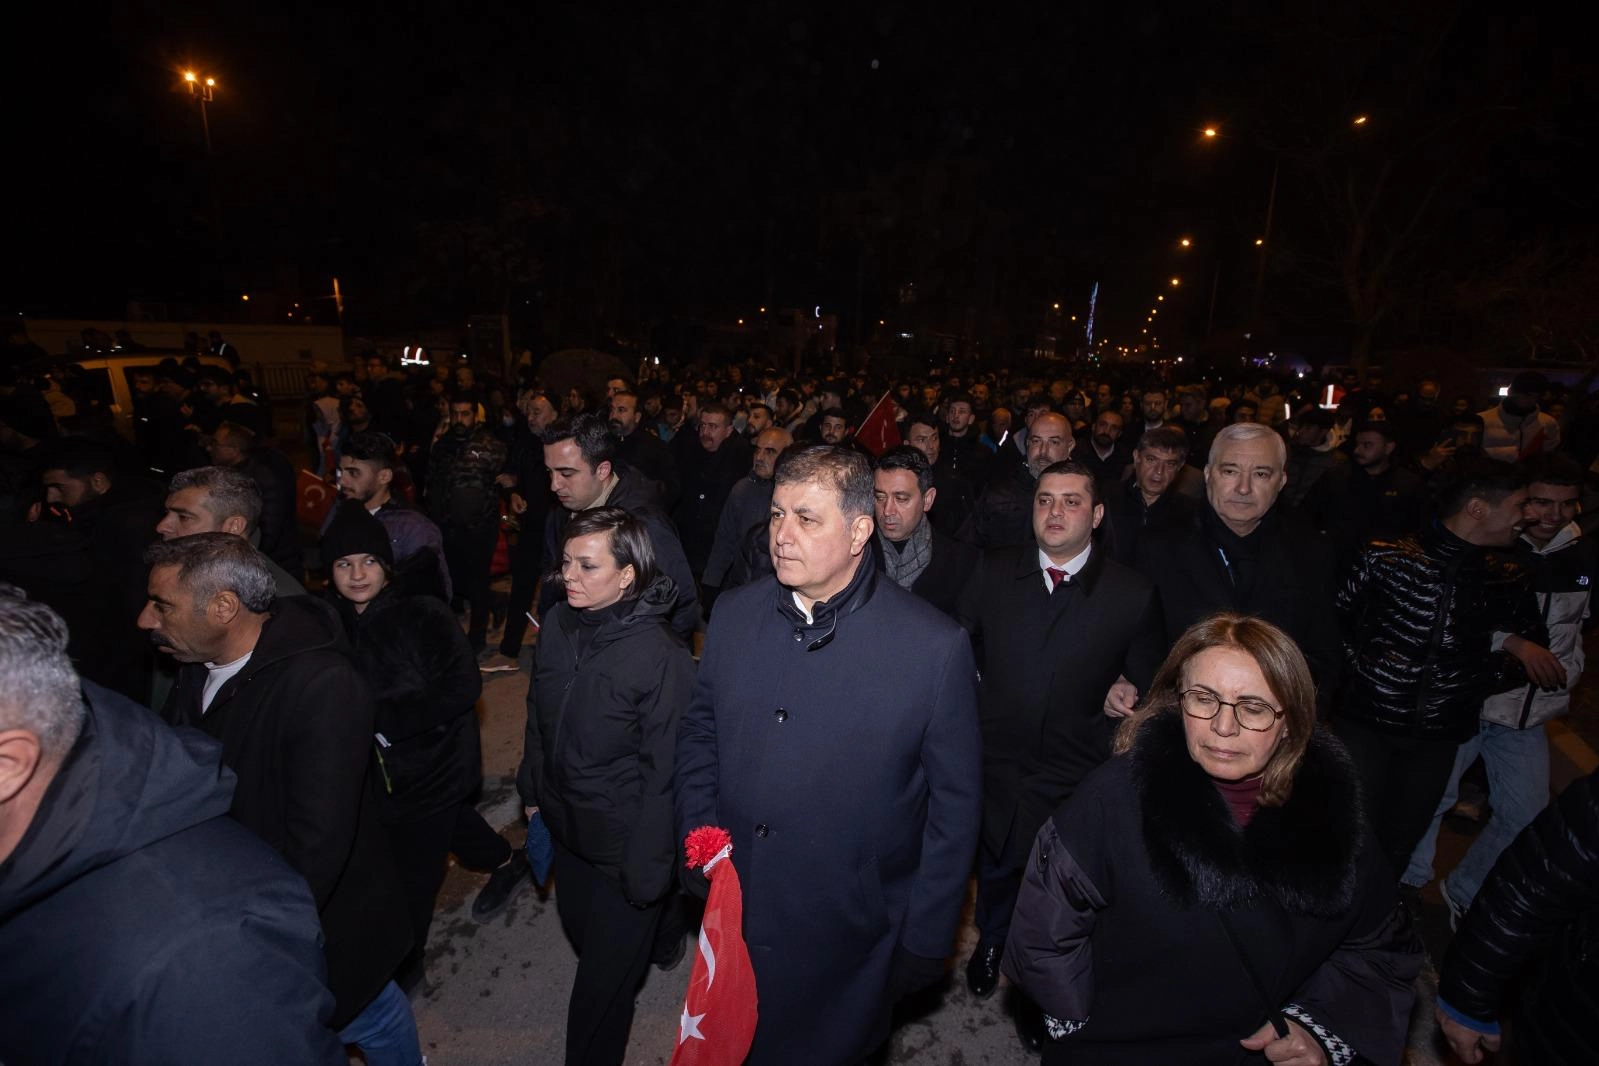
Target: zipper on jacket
1547	580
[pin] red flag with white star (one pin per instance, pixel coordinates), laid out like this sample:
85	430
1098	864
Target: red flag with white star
718	1022
879	432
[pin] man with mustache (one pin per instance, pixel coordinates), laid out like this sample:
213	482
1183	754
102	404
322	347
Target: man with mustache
268	677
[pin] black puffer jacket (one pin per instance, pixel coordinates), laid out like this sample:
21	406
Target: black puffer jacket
1542	898
599	755
425	684
1418	616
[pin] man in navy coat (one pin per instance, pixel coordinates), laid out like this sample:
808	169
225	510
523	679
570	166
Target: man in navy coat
833	732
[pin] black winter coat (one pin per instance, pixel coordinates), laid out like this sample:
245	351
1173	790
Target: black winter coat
425	684
707	480
600	748
296	726
274	475
1292	585
139	924
1046	661
1128	519
842	756
1541	901
1418	615
1119	934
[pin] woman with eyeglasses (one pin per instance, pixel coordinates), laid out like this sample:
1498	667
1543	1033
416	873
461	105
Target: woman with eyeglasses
1213	894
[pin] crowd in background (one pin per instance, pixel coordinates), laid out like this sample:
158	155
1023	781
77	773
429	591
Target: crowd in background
1428	556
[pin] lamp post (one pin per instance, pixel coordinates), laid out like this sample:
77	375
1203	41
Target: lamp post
203	88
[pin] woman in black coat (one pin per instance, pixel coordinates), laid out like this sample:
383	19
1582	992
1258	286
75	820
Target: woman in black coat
1212	895
609	683
425	683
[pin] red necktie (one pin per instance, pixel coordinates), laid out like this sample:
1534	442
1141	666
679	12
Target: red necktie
1056	576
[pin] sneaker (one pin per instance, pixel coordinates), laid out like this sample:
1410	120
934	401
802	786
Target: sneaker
498	663
503	886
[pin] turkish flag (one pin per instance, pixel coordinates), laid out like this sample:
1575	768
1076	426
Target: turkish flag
313	498
718	1023
878	432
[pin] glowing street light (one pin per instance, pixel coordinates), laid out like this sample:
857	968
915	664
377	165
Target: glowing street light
1185	242
1361	120
1057	307
1160	298
1176	282
1259	241
1210	131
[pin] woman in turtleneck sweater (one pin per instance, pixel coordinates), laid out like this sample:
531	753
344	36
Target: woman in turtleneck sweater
609	682
1212	894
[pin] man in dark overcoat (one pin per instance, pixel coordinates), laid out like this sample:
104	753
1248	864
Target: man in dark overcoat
833	732
269	677
1055	623
913	552
1243	552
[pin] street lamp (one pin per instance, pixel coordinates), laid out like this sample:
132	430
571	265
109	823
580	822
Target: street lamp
1210	131
1176	282
1361	120
203	90
1185	242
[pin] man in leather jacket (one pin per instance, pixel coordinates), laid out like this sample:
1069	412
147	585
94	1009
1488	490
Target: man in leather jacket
1423	617
1538	902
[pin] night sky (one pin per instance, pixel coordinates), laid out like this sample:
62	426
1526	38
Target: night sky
602	170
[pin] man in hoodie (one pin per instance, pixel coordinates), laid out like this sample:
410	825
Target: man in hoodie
269	677
134	915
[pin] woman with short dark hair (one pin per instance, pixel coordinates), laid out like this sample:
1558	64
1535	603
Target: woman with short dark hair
610	679
1212	894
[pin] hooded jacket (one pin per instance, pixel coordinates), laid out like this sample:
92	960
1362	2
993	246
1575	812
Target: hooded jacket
1419	614
139	924
296	726
1563	575
600	747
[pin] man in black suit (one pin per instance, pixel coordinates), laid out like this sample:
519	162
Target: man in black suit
915	554
1053	622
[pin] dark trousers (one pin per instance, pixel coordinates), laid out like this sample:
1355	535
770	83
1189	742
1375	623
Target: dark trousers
1401	781
420	848
470	553
527	563
998	884
613	940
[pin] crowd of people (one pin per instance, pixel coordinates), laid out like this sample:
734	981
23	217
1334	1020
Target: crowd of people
1185	676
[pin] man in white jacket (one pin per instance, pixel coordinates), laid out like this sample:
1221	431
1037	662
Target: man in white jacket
1511	738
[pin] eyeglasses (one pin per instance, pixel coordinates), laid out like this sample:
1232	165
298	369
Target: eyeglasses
1255	715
